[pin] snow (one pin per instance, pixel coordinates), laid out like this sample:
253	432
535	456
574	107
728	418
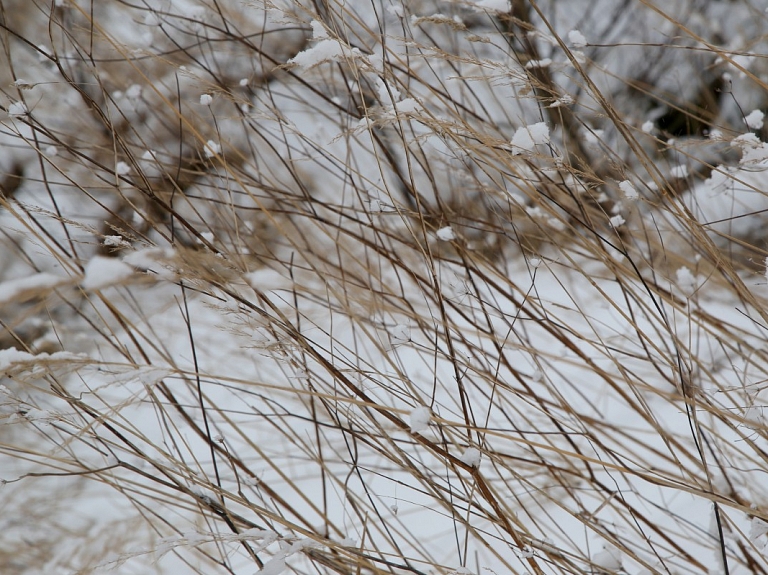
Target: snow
419	420
17	109
101	272
446	234
754	120
471	456
502	6
617	221
206	99
577	39
628	190
648	127
527	138
211	149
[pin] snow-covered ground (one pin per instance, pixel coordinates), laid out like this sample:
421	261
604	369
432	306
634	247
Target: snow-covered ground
391	287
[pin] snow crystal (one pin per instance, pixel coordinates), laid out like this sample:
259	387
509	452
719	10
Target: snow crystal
101	272
679	172
629	190
577	39
754	120
17	109
528	137
617	221
493	5
446	234
211	149
420	419
647	127
206	99
471	456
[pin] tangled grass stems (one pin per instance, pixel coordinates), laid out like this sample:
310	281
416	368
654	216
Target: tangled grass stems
392	288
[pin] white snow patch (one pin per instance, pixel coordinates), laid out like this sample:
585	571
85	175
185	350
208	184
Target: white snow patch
420	419
617	221
647	127
446	234
471	456
101	272
528	137
318	30
212	149
577	39
685	280
628	190
206	100
493	5
754	120
17	109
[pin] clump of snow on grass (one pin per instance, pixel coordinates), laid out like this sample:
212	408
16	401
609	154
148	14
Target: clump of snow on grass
528	137
685	280
754	120
647	127
628	190
206	99
543	63
446	234
211	149
122	169
318	30
565	100
577	39
328	50
617	221
471	456
493	5
420	419
753	151
12	360
101	272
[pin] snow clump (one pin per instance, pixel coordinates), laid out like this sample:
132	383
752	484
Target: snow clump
420	419
528	137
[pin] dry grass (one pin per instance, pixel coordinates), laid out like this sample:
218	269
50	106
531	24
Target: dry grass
244	297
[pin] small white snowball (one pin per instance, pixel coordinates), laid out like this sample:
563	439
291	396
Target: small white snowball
243	82
647	127
528	137
51	150
446	234
617	221
754	120
211	149
577	39
629	190
471	456
206	99
420	419
534	262
122	169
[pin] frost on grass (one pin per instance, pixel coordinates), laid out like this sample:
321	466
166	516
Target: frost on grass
527	138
